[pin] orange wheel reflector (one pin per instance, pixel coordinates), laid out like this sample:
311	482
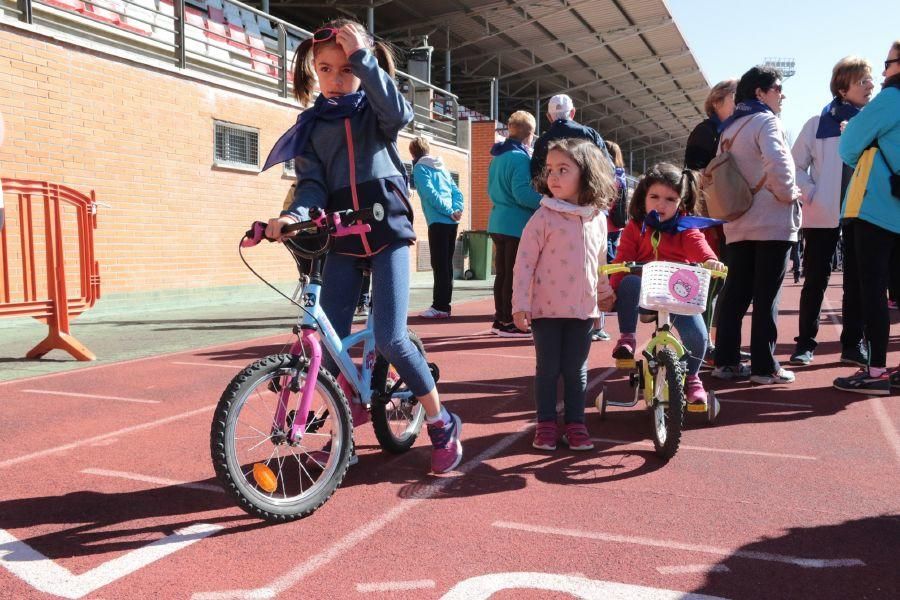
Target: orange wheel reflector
264	477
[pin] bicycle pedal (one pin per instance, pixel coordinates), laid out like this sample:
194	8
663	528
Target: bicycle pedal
625	363
697	407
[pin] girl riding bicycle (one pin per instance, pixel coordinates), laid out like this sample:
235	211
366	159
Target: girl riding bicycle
662	228
556	284
345	152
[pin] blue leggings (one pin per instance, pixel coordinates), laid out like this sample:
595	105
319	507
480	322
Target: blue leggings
390	290
691	328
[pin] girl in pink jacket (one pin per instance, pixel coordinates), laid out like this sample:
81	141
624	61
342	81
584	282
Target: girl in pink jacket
556	283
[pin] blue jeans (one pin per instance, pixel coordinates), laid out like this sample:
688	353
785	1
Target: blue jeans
691	328
562	347
390	291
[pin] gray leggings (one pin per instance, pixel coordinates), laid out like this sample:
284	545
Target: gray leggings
562	347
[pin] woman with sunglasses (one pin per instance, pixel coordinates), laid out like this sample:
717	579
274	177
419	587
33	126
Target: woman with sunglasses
820	175
759	241
346	157
871	144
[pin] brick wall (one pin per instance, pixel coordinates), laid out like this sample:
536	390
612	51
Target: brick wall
143	139
484	135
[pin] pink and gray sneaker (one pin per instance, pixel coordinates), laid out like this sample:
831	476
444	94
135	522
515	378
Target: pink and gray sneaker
447	450
576	437
694	391
545	435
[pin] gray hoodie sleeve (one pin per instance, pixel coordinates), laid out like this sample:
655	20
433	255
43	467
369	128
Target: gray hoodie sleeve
391	108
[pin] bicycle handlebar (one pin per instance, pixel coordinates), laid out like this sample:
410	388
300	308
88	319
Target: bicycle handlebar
332	223
633	267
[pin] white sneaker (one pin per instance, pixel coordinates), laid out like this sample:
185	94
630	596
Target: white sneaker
731	372
780	376
433	313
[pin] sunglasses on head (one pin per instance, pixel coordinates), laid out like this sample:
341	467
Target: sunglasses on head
324	34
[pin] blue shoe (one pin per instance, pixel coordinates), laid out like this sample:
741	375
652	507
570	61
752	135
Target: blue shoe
447	448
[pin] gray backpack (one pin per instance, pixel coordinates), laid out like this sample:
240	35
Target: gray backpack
728	195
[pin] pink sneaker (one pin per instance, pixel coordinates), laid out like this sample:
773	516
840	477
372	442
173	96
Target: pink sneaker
358	412
545	435
447	448
693	390
577	437
624	349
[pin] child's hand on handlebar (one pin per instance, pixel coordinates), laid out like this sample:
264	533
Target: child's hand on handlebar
522	320
273	229
714	265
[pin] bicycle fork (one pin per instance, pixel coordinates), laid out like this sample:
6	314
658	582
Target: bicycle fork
309	339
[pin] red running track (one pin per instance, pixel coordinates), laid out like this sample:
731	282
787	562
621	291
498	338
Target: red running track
109	492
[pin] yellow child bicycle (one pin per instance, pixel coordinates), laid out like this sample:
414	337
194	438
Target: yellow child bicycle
666	288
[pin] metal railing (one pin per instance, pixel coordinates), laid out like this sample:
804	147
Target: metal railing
242	44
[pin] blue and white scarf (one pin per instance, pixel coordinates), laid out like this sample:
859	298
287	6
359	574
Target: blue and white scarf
745	109
833	114
508	145
294	140
677	223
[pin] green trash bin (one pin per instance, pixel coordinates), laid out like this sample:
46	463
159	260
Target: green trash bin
480	254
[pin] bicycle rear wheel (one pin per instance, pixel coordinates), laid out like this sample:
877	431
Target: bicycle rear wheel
667	410
270	477
397	416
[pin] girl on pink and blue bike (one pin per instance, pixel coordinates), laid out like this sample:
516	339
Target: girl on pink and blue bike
346	157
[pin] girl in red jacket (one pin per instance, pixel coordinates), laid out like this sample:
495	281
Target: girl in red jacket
662	228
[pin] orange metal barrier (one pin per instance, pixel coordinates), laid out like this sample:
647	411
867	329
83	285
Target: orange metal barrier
43	294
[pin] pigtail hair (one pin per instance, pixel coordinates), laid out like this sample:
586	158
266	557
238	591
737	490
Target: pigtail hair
690	192
304	75
385	57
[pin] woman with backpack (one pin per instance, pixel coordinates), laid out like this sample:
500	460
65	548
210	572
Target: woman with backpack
759	240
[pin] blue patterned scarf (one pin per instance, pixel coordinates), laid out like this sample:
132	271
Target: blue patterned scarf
833	114
678	223
508	145
745	109
294	140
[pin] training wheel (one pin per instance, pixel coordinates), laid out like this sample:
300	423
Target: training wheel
600	402
712	408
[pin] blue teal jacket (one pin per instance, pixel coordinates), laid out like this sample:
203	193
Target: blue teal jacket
512	197
369	137
439	194
878	121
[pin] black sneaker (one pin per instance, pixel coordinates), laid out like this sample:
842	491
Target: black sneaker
511	331
802	358
894	377
495	327
863	383
856	355
745	356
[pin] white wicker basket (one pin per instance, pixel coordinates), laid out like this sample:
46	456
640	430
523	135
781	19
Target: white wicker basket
674	287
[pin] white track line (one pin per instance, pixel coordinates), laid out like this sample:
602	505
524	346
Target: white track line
499	355
20	459
94	396
884	421
503	386
809	563
679	569
782	404
206	364
707	449
599	378
148	479
395	586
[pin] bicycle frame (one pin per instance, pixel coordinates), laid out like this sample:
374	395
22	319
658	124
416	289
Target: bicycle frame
661	337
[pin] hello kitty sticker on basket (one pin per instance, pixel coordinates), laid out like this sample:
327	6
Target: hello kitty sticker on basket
684	285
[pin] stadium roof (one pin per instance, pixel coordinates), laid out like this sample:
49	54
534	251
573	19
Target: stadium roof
624	62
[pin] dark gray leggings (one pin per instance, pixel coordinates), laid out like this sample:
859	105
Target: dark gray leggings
562	347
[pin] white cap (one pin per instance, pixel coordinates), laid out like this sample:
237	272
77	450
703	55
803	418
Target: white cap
560	103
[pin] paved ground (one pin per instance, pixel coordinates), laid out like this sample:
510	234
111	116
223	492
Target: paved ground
109	492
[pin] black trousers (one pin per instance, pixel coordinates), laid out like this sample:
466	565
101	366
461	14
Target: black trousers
874	247
818	251
755	272
851	305
505	258
442	243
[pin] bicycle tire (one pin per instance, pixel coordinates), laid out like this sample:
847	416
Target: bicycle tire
397	409
270	373
667	417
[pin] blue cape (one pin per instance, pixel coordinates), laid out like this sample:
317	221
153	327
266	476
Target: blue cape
678	223
294	140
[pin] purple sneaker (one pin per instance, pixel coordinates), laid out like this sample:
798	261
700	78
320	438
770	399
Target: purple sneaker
447	451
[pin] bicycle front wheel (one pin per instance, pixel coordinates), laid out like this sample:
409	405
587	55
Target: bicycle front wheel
397	416
269	476
667	413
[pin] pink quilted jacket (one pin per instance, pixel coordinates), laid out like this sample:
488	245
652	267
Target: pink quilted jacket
556	274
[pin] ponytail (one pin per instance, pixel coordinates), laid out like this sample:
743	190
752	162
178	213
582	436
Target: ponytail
690	191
